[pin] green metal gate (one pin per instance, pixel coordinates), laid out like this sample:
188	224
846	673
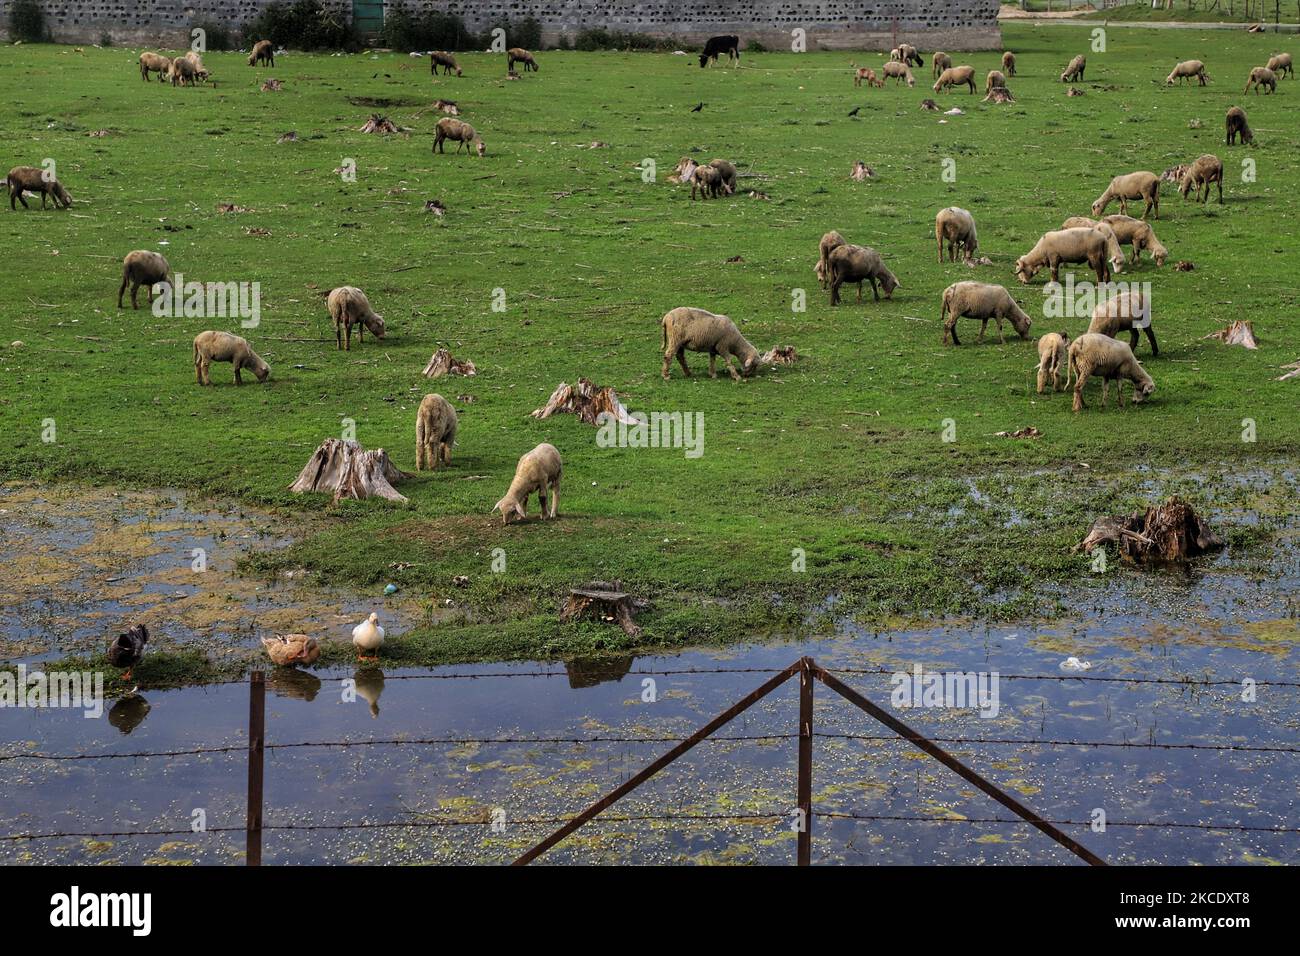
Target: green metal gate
368	16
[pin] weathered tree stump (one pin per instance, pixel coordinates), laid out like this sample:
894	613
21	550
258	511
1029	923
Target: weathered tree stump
587	401
781	355
1170	532
442	363
347	470
606	601
1240	332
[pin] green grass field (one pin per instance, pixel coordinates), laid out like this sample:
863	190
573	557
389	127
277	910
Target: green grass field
841	455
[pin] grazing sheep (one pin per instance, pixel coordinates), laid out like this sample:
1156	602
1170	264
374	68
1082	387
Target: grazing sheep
444	60
1113	250
1075	70
1280	63
200	71
182	72
695	330
142	268
829	243
849	263
435	433
910	55
1053	357
29	179
1126	312
956	76
727	175
1186	70
263	52
1203	173
348	306
1066	245
996	79
868	74
1140	235
461	132
940	62
212	347
1237	126
1139	185
1261	76
1009	63
983	301
956	227
537	470
154	63
1095	354
899	71
520	55
707	180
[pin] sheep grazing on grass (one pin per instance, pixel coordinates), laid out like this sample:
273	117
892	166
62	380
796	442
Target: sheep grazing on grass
29	179
1009	63
1140	235
859	264
983	301
1139	185
1236	125
1126	312
444	60
868	74
349	306
200	71
1261	76
1095	354
829	243
1280	64
956	76
435	433
1066	245
263	52
726	174
1053	359
520	55
695	330
537	471
994	80
142	268
1075	70
460	131
899	71
1113	251
707	180
1206	171
939	62
910	55
182	72
1186	70
212	347
956	227
154	63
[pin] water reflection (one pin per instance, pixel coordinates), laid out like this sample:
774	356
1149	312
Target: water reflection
128	713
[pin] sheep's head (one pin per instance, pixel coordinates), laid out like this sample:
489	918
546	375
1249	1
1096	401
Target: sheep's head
62	196
458	72
375	324
820	269
1098	207
1024	272
1159	254
508	506
937	84
1143	391
479	146
261	370
1185	186
1021	323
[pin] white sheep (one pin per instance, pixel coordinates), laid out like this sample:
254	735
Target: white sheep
1052	359
696	330
983	301
1096	354
537	471
435	432
1140	185
956	227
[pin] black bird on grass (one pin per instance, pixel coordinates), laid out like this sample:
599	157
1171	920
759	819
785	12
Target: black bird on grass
127	649
854	111
696	109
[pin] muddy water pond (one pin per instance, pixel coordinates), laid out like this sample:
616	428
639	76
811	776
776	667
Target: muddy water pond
443	766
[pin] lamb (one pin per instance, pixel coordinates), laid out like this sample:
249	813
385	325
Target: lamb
1075	70
899	71
1186	70
537	470
1261	76
941	61
1066	245
956	227
1096	354
858	264
1126	312
687	329
1204	172
212	347
1009	63
868	74
348	306
461	132
956	76
1237	126
1140	235
29	179
994	79
263	52
142	268
154	63
1280	63
983	301
1139	185
829	243
520	55
707	180
435	433
1113	250
1052	358
444	60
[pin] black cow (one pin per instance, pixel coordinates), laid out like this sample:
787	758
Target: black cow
719	45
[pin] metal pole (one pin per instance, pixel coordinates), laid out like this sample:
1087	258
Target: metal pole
256	750
805	759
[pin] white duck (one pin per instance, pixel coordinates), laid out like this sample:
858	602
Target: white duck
368	636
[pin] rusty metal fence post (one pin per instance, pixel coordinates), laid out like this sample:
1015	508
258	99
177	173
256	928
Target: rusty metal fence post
805	760
256	751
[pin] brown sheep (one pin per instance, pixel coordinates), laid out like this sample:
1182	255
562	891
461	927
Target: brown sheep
1066	245
212	347
996	79
537	470
727	175
1261	76
1139	185
910	55
1113	251
154	63
940	62
461	132
263	52
983	301
29	179
1237	126
348	306
1280	63
142	268
1186	70
444	60
1095	354
868	74
520	55
1203	173
899	71
1075	70
695	330
435	433
956	76
859	264
1140	235
1053	357
1009	63
182	72
956	227
707	180
829	243
1126	312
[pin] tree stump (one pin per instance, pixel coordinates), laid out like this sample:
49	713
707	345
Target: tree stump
587	401
606	601
1169	533
347	470
442	363
1240	332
